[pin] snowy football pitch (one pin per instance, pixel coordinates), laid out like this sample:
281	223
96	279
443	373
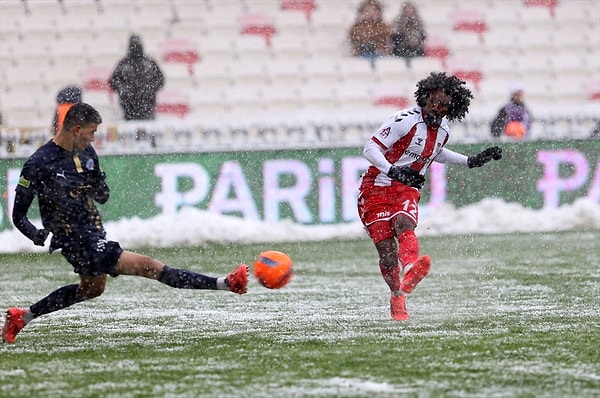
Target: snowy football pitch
498	316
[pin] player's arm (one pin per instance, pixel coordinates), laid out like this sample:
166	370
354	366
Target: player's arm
406	175
448	156
100	189
23	200
97	179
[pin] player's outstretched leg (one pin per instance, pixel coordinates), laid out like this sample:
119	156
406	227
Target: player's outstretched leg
398	307
237	280
413	275
13	324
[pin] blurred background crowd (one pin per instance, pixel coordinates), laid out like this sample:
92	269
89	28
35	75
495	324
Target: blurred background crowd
199	74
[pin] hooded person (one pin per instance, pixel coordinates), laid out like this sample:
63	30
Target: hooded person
136	79
65	98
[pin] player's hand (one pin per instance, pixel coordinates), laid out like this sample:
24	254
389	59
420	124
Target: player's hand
80	190
407	176
484	156
40	237
97	176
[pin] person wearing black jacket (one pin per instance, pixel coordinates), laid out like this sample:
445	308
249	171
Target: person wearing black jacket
137	79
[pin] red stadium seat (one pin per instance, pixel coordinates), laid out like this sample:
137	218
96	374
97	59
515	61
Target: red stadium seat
180	51
306	6
551	4
258	24
96	78
593	93
469	21
390	95
466	70
435	47
172	102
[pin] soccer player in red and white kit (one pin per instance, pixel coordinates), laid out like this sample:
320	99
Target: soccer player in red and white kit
400	152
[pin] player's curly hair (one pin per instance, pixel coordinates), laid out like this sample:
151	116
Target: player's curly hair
452	86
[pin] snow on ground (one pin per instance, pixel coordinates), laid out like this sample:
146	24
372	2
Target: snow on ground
192	226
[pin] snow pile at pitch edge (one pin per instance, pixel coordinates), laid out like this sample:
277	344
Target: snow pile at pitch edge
192	226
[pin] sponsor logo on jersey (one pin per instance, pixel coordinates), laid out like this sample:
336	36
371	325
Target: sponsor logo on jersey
385	132
417	157
383	214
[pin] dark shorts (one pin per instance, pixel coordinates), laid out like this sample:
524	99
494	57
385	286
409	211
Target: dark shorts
93	256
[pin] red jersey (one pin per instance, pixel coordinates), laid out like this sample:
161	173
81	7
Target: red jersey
404	140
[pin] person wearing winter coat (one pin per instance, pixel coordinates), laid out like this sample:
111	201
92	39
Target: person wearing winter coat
408	33
137	79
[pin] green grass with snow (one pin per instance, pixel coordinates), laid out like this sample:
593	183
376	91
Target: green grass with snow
498	316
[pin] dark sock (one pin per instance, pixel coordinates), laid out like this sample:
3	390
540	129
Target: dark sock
57	300
183	279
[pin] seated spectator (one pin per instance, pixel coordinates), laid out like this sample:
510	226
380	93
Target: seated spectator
408	33
513	119
136	79
65	98
370	34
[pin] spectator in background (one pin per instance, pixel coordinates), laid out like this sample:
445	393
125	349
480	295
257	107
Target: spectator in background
408	33
136	80
514	118
65	98
370	34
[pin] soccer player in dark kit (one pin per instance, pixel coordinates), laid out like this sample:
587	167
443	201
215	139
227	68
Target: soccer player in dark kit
66	177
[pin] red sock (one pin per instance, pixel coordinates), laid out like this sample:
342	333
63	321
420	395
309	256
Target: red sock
409	247
391	276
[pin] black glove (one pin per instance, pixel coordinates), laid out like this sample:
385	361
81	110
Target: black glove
484	156
40	237
100	190
407	176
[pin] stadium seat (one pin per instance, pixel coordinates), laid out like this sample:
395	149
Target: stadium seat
96	78
319	70
281	99
172	103
257	24
251	71
469	21
467	70
550	4
305	6
391	95
180	51
352	69
316	98
290	47
208	103
593	90
392	69
250	48
282	72
353	94
436	47
244	101
211	74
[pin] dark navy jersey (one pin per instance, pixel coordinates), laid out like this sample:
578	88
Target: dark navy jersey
67	184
